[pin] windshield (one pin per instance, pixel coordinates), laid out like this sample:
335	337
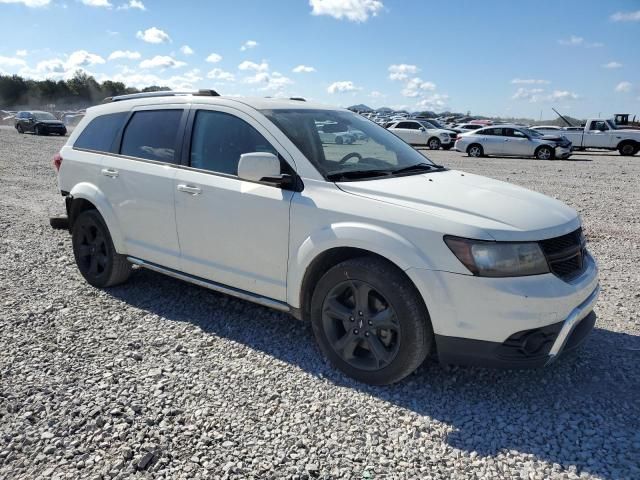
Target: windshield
435	123
532	133
44	116
343	143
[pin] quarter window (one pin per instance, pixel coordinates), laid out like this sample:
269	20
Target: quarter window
219	139
152	134
100	133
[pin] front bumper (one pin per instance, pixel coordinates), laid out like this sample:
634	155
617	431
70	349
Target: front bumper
562	152
507	322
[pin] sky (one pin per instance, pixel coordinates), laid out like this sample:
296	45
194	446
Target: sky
495	58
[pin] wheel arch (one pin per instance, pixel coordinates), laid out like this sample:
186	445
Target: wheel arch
86	196
550	147
321	251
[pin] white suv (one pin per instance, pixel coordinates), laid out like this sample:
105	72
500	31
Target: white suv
390	256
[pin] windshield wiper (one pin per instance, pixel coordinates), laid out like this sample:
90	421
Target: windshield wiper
418	167
357	174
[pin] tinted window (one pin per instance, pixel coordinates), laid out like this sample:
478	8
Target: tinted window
408	125
219	139
101	132
510	132
152	135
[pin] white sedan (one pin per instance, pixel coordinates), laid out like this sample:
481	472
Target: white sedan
511	140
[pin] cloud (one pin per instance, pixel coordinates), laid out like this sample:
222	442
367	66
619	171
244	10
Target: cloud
352	10
402	71
186	50
132	5
247	65
626	16
97	3
134	78
269	81
535	95
219	74
21	53
529	81
214	58
161	61
416	86
129	55
436	101
303	69
575	41
612	65
623	87
12	62
342	87
29	3
249	44
153	35
82	58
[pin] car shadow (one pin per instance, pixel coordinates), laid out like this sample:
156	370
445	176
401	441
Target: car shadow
581	413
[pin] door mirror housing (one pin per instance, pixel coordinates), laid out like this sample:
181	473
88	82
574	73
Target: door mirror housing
422	129
265	168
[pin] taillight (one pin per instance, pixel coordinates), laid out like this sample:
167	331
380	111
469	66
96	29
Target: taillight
57	161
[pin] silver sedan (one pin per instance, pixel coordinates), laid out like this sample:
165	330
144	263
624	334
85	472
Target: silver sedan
511	140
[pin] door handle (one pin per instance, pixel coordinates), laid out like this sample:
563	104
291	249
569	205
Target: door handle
110	172
190	189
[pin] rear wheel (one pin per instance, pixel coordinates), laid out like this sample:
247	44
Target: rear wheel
433	144
475	150
370	322
628	149
95	255
544	153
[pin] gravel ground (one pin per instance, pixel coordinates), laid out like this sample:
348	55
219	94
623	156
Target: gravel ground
161	379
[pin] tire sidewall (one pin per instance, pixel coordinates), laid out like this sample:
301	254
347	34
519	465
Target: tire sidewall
544	148
475	145
436	143
416	334
93	216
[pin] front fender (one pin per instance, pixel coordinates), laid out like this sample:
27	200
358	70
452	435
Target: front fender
372	238
91	193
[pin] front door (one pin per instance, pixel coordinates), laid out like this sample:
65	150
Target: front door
598	135
231	231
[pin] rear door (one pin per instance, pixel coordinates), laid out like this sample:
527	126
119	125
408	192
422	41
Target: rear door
492	141
138	181
231	231
405	131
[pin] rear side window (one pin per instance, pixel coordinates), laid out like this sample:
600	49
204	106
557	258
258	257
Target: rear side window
101	132
219	139
152	135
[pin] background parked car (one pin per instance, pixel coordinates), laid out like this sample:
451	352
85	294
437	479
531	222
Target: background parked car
416	133
466	127
513	141
332	133
40	123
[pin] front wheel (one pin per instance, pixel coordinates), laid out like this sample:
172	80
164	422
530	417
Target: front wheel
96	257
20	129
370	321
38	130
544	153
433	144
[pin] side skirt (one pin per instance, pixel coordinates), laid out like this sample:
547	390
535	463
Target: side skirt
201	282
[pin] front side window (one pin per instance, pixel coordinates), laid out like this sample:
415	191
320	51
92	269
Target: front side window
218	140
599	125
152	135
100	133
378	151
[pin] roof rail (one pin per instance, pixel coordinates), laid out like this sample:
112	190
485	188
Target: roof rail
299	99
161	93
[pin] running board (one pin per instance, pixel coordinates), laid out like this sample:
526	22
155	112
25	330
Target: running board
217	287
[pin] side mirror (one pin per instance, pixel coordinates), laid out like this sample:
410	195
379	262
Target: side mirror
262	167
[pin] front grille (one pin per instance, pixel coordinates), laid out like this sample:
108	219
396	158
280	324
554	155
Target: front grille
565	254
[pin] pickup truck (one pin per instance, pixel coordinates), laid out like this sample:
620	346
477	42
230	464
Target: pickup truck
604	134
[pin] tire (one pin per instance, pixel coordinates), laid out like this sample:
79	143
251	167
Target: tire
38	130
352	342
475	150
96	257
628	149
434	143
20	129
545	153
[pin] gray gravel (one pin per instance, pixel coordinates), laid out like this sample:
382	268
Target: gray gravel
160	379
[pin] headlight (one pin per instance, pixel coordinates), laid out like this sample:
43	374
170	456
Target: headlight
498	259
444	135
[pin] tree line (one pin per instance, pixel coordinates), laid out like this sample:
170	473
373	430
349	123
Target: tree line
80	91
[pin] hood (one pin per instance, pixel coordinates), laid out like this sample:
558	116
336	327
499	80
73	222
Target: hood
501	210
50	122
